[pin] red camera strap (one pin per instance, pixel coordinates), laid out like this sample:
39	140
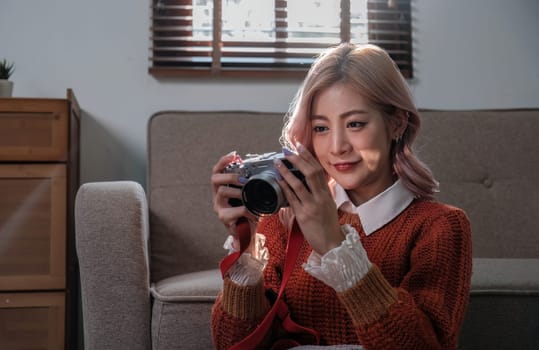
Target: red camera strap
244	235
279	308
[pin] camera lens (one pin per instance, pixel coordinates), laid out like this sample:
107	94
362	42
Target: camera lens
262	195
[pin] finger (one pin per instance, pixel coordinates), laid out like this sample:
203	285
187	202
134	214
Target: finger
222	201
224	161
224	194
310	167
219	179
293	201
306	155
230	215
296	185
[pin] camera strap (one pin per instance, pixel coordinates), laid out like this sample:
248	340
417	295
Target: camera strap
279	308
244	235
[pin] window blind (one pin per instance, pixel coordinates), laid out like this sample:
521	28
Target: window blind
270	37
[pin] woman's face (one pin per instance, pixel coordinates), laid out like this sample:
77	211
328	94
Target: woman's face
352	141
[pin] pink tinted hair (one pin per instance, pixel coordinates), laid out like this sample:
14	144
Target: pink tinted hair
375	76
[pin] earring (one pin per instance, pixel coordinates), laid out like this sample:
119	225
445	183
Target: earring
398	139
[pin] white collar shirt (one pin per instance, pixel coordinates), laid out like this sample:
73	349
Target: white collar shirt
379	210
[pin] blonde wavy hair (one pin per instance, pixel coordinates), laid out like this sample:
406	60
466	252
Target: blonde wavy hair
372	72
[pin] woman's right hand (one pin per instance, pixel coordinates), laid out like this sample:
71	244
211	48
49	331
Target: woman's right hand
223	192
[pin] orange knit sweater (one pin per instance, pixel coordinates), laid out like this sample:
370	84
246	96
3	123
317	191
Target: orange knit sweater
414	296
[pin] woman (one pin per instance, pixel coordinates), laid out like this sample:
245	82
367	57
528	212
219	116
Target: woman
382	264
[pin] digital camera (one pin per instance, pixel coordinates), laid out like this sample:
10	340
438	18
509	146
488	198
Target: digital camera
261	194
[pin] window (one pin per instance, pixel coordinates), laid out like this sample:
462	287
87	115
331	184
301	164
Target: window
270	37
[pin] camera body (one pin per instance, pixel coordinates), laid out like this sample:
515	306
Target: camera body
261	194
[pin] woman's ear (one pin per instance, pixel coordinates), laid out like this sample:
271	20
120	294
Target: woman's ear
399	123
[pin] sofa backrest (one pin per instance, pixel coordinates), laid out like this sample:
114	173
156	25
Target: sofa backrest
484	160
186	235
487	164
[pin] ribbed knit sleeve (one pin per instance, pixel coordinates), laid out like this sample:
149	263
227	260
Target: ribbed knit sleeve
236	313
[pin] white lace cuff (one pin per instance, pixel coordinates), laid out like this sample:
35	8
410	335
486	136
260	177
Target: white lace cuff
341	267
247	270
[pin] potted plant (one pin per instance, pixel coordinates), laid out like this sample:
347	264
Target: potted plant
6	70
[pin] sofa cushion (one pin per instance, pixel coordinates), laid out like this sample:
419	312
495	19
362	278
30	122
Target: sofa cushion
195	286
505	276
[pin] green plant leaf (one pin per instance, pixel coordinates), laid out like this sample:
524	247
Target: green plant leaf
6	69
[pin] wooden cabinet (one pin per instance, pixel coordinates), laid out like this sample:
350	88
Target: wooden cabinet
39	177
32	320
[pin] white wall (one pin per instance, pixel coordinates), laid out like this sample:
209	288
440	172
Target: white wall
467	54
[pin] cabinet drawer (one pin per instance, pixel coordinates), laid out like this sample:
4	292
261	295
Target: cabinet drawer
37	132
32	226
32	321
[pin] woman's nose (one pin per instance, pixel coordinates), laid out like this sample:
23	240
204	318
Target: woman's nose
339	143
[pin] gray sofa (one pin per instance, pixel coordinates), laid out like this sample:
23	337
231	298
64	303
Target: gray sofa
148	258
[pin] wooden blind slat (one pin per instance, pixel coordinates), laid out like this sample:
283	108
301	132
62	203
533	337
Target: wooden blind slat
178	41
390	28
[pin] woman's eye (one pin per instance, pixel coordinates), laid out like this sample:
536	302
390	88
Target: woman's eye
319	128
356	124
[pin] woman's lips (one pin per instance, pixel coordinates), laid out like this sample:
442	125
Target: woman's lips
344	166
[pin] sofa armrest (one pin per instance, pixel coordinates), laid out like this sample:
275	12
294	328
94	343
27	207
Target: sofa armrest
111	220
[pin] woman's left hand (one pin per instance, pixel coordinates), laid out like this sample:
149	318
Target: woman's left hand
314	207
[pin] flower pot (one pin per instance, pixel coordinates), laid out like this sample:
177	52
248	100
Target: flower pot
6	88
